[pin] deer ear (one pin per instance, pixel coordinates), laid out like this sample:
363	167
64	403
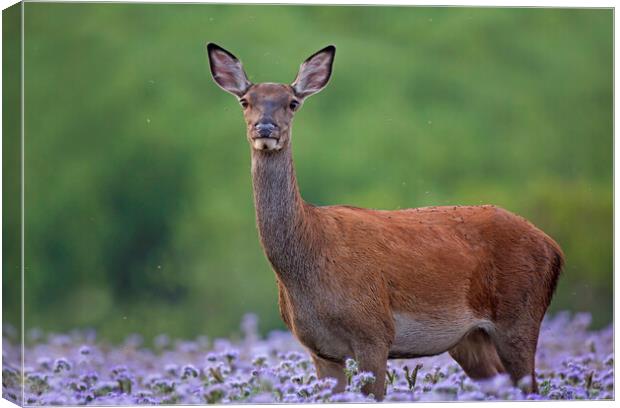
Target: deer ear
227	70
315	72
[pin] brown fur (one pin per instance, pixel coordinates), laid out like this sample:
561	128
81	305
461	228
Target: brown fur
368	284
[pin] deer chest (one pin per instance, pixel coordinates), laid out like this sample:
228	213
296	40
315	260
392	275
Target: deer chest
315	329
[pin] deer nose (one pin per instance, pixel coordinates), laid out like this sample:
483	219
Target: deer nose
265	129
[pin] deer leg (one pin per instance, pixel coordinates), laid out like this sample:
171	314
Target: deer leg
477	355
332	369
517	351
373	359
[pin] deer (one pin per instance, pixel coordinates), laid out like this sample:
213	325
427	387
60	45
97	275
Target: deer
373	285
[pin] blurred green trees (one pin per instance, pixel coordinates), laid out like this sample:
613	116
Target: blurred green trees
138	197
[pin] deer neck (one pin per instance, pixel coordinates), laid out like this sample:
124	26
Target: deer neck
284	220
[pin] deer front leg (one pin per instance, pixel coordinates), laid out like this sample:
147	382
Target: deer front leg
327	368
373	358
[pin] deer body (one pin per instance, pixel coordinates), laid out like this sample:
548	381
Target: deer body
370	284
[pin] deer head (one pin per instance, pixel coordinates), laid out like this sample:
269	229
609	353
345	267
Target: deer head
268	107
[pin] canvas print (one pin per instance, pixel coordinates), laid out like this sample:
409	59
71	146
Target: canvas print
437	227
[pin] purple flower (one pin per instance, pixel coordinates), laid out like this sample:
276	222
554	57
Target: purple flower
231	355
172	369
189	371
573	362
45	363
37	383
62	364
359	380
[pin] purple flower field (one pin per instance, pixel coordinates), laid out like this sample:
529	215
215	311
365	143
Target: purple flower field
74	369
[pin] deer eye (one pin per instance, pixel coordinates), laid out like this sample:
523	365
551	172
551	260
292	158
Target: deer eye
293	105
244	103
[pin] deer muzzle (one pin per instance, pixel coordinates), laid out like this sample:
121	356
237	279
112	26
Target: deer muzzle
264	129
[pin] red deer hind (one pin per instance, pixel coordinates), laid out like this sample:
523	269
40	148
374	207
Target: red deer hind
373	285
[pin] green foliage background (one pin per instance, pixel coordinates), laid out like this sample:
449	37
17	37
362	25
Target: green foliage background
138	197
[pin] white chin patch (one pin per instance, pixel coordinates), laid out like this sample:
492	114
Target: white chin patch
265	144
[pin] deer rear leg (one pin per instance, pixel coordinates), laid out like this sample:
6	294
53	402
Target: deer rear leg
332	369
477	355
516	348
